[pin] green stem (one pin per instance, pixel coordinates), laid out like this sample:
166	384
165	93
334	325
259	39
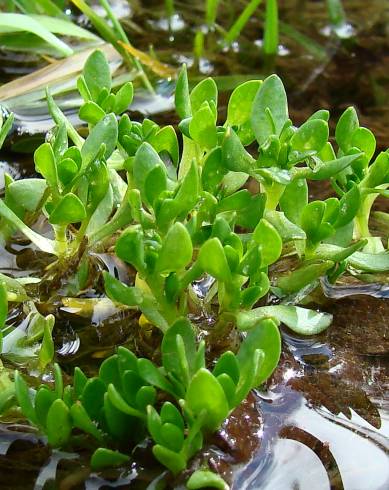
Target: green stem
60	239
167	310
273	192
122	35
121	218
242	20
270	41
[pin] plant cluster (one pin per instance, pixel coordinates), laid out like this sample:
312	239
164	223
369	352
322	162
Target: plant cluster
176	217
123	403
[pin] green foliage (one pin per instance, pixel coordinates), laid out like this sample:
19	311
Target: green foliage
177	218
121	402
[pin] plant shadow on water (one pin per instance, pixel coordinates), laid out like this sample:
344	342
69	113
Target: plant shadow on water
323	421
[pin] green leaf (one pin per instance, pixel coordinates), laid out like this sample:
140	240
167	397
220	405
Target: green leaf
364	140
109	372
67	169
270	37
212	260
3	306
378	171
188	191
130	247
145	396
97	74
5	128
213	170
286	229
182	98
106	458
171	359
273	174
301	320
43	400
327	251
311	219
295	280
320	114
58	424
205	91
206	479
20	22
119	292
202	127
123	98
28	192
102	213
172	436
348	123
228	364
155	184
312	135
24	399
234	156
45	164
368	262
120	404
294	199
205	394
176	251
62	26
154	424
44	244
69	210
327	169
270	242
348	207
81	420
98	184
241	101
79	381
269	109
91	112
170	413
146	159
92	397
58	381
105	132
46	351
173	461
263	336
166	140
150	373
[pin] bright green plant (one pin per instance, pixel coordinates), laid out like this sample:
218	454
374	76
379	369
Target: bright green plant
179	219
120	404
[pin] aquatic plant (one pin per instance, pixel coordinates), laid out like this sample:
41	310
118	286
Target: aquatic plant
122	404
179	217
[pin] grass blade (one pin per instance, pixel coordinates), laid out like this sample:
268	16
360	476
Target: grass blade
242	20
270	41
21	22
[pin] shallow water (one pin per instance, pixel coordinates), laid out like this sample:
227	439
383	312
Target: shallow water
323	421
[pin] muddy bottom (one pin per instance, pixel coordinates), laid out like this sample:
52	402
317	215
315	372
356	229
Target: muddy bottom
322	422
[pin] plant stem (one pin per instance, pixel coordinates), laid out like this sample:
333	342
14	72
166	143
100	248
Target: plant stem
270	41
211	12
242	20
273	192
123	37
60	238
361	229
169	7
